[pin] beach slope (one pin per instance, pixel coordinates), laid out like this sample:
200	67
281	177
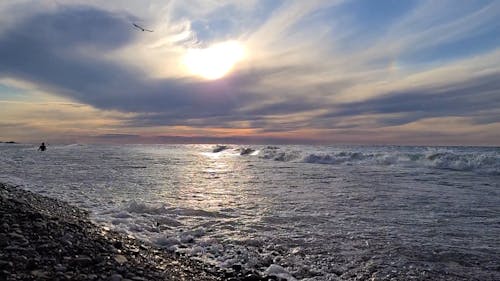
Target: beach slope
46	239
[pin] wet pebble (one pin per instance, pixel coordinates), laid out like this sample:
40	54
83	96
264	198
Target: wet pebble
45	239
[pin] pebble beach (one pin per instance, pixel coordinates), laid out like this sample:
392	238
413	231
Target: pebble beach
46	239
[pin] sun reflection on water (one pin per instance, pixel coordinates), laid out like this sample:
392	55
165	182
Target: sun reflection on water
220	193
210	182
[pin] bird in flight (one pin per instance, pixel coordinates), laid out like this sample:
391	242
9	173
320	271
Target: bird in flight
141	28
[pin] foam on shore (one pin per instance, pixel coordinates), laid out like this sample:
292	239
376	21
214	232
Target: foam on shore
46	239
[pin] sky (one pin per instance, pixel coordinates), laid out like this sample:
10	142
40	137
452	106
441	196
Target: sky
251	71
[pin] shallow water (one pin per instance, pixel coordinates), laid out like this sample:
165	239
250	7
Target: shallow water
322	213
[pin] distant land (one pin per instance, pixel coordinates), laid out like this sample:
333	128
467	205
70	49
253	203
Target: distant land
8	142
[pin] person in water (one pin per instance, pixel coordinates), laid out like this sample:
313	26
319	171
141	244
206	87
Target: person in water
42	147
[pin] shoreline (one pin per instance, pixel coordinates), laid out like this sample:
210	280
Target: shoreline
42	238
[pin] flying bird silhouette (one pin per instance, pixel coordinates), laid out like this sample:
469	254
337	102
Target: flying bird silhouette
141	28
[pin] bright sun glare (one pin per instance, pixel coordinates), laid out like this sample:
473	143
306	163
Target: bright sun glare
215	61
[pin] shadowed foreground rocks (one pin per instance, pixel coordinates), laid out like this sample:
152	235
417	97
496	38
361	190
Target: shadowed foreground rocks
45	239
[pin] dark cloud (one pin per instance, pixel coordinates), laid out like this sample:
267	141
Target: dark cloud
487	117
119	136
285	106
12	125
61	51
125	138
46	49
465	99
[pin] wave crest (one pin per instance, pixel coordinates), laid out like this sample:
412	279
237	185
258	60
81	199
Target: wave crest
481	161
145	208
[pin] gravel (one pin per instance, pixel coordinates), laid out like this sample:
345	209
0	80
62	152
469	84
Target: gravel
46	239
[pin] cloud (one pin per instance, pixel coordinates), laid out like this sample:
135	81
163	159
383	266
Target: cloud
466	98
52	59
301	73
29	120
45	50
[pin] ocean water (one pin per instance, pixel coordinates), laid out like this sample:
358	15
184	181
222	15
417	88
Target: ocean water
298	212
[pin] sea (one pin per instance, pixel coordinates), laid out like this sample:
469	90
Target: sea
295	212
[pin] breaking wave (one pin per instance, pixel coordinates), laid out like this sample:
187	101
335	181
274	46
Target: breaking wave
145	208
481	161
219	148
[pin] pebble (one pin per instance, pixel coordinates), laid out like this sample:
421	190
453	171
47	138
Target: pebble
39	274
120	259
15	235
83	260
60	267
5	264
115	277
45	239
118	244
3	240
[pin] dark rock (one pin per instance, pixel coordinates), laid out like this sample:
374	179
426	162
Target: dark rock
40	274
60	267
32	263
219	148
246	151
16	236
118	244
5	264
236	267
83	260
5	227
228	274
3	240
16	248
34	216
115	277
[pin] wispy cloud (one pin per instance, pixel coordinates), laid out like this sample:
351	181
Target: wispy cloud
310	66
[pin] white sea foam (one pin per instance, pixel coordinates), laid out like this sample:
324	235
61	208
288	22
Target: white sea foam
483	162
303	212
145	208
166	241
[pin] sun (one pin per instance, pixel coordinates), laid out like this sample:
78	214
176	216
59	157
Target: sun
215	61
